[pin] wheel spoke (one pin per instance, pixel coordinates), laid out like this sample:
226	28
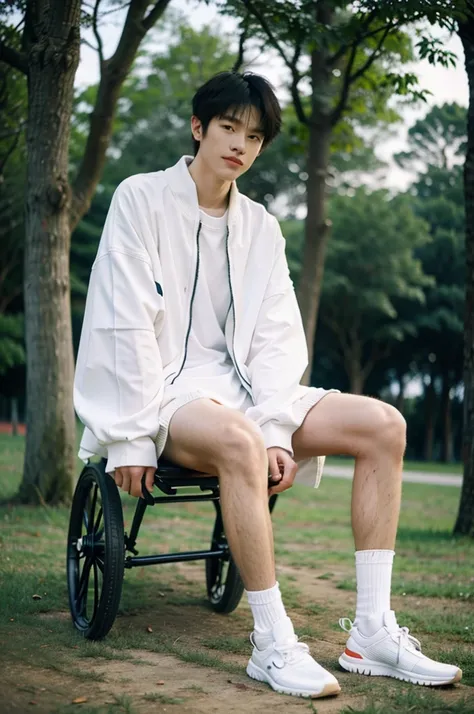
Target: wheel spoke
218	580
100	563
92	511
98	520
96	588
85	518
84	579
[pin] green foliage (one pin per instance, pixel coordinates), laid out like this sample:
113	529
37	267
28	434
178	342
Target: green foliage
438	140
12	352
436	144
370	265
13	102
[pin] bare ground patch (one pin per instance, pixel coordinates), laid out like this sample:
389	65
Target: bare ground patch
192	661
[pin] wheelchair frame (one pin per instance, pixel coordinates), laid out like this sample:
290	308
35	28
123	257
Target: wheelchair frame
103	547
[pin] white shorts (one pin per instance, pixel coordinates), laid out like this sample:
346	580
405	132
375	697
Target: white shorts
309	470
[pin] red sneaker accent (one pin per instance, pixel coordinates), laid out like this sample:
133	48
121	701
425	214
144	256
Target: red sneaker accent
352	654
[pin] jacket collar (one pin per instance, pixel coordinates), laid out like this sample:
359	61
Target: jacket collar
183	187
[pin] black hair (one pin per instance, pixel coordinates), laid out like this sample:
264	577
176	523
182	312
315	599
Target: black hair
232	93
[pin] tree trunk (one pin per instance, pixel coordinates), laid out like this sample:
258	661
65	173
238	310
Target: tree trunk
447	439
53	56
400	401
465	519
316	225
430	404
316	237
356	380
14	415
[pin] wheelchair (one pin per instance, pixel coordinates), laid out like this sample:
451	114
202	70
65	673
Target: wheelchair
99	550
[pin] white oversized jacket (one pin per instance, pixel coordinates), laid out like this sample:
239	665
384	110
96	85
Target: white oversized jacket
138	316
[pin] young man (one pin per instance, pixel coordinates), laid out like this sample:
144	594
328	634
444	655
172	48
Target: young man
193	347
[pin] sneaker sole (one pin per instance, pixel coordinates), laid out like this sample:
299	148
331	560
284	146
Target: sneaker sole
329	690
385	670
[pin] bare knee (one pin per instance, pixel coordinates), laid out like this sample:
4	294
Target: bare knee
242	451
388	430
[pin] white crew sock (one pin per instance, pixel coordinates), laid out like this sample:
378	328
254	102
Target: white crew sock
374	579
267	607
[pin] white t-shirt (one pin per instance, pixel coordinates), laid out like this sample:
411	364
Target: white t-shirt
208	364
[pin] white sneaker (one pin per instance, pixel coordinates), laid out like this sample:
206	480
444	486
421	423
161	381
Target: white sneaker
393	652
286	665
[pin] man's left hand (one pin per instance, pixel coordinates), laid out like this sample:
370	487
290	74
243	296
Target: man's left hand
282	470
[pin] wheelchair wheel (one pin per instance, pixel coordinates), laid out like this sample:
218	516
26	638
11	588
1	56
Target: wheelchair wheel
95	552
223	581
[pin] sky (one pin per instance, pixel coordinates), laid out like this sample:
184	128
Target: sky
445	85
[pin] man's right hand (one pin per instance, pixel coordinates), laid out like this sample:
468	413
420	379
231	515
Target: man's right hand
129	479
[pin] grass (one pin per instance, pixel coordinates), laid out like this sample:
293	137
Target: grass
416	703
409	465
433	585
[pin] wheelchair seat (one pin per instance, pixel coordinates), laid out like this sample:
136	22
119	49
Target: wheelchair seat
175	476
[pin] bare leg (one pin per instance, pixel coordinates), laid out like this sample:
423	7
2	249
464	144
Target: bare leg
210	438
374	433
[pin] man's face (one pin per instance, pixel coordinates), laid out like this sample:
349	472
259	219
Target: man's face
240	139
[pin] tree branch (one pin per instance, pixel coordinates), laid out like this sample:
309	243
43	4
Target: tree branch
14	58
100	47
292	66
346	85
155	14
349	78
88	44
113	74
373	56
243	36
360	35
265	26
295	80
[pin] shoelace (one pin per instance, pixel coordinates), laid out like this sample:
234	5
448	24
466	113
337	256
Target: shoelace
405	640
292	651
400	636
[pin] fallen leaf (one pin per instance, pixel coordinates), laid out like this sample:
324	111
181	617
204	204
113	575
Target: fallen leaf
239	685
79	700
36	597
42	689
161	594
12	619
32	702
44	645
149	629
160	682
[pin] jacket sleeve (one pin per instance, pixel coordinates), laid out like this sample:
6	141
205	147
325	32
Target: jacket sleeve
278	357
118	380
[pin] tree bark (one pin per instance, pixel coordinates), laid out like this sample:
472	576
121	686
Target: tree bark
316	237
316	225
465	518
447	438
14	415
53	56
